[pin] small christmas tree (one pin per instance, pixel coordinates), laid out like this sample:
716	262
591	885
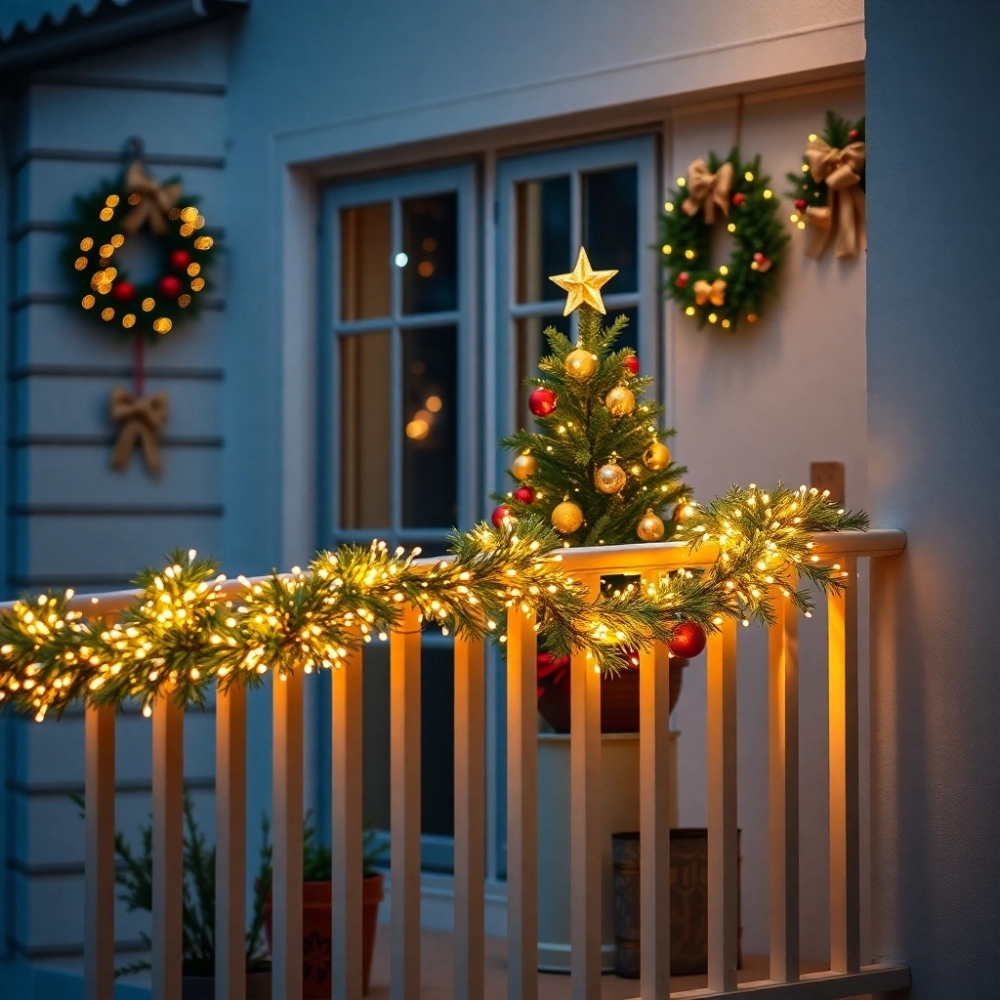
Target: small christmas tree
597	467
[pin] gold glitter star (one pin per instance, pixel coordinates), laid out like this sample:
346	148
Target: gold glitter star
583	284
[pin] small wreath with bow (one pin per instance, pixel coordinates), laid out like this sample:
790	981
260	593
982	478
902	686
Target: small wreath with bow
105	221
829	193
738	193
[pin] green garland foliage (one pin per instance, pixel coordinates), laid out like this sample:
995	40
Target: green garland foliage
184	631
582	434
686	246
838	132
97	224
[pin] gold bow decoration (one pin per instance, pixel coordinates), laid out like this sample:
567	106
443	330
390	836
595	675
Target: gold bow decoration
706	190
141	420
714	292
154	202
841	169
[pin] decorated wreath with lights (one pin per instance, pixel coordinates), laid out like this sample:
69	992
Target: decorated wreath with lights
106	220
738	194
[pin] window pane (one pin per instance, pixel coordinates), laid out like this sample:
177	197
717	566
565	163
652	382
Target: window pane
365	252
543	235
366	431
611	224
430	415
430	242
532	346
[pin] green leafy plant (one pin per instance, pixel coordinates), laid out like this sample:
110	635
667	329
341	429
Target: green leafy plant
317	861
134	876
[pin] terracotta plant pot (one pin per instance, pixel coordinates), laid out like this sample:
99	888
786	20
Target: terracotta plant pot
619	696
317	931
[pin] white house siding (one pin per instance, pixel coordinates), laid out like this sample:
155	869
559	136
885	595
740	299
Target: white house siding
71	519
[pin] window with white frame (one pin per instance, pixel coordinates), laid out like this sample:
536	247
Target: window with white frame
405	374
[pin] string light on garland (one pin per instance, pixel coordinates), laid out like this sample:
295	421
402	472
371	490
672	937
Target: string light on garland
188	628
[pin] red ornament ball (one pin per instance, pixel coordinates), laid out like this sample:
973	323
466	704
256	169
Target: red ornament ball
853	134
123	291
800	204
738	199
542	402
501	515
682	279
170	286
687	640
524	494
632	365
180	259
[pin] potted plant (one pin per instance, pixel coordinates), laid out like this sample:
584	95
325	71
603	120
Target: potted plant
317	912
135	877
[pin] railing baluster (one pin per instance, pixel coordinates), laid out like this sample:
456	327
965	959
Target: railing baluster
655	794
99	853
168	847
470	816
783	693
230	855
286	793
723	884
405	803
522	807
585	820
346	826
845	903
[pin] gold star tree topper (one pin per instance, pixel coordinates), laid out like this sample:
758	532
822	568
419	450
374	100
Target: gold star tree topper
583	284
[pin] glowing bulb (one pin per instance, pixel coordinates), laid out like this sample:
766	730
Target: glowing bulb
401	260
731	227
668	206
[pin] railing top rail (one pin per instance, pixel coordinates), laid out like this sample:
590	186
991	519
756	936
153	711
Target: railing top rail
638	558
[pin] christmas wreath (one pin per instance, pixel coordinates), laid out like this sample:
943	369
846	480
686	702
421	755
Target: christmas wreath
739	193
105	221
829	191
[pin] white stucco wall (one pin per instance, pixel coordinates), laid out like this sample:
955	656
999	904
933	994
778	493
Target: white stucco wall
380	87
934	424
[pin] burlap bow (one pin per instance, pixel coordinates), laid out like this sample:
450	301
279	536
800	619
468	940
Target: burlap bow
841	169
155	202
706	190
141	420
714	292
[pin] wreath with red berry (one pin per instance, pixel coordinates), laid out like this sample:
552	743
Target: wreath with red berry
736	194
106	222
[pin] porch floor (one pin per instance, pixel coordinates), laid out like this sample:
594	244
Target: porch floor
437	953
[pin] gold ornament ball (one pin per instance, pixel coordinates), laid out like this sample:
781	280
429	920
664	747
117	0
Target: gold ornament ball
567	517
611	478
620	401
524	466
650	527
580	363
656	456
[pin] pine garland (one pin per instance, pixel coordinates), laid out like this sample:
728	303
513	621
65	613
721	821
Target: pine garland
187	629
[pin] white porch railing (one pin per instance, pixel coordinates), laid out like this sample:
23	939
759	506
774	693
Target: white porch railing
846	977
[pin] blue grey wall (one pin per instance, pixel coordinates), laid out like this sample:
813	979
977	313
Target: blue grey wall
934	428
71	519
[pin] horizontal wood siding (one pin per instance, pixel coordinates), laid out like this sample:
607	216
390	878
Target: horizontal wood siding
72	520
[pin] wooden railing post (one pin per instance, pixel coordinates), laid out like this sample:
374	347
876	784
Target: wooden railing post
99	854
655	794
346	826
230	855
168	847
585	820
723	878
845	888
783	694
404	683
470	819
286	891
522	807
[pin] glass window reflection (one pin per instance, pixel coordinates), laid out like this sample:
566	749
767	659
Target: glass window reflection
430	244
